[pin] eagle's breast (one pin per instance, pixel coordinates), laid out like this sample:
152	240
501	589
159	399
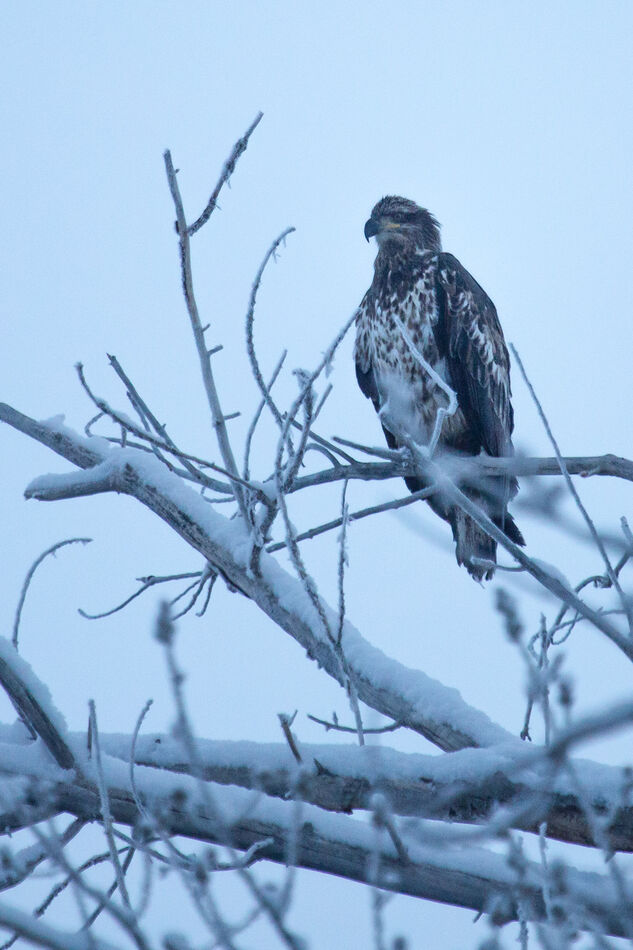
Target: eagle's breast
408	294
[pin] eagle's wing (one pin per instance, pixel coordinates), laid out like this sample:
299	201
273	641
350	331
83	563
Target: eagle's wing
364	367
362	354
470	338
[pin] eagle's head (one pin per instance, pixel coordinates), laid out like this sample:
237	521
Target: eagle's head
397	221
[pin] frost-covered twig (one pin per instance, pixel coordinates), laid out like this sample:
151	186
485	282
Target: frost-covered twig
158	442
146	583
105	808
545	577
110	891
251	429
29	577
357	515
146	413
337	727
227	170
122	915
308	382
59	888
165	635
18	867
213	400
250	316
343	560
208	576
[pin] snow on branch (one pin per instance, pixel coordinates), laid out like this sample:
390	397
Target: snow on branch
466	786
419	702
34	704
335	844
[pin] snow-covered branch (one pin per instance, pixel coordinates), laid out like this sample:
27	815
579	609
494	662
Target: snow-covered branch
408	696
466	786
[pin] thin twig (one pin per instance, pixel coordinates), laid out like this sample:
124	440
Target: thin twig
29	577
105	808
155	441
326	443
286	722
357	515
110	891
121	914
229	167
205	363
146	583
393	455
342	561
137	728
21	865
60	887
145	412
258	412
250	316
165	635
368	732
208	576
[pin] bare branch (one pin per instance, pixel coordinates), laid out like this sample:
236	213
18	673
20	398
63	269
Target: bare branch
250	316
251	429
146	413
105	808
229	167
205	363
29	577
337	727
357	515
21	865
146	583
162	442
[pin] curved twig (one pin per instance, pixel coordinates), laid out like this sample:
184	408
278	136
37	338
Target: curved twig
29	577
250	316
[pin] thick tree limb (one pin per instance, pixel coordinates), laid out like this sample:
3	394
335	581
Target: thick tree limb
405	695
344	779
342	846
32	701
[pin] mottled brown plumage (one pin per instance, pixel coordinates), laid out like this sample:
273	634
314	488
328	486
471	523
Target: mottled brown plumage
454	325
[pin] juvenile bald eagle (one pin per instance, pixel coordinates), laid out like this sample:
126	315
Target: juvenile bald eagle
454	326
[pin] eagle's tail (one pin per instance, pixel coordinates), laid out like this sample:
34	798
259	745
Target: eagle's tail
473	546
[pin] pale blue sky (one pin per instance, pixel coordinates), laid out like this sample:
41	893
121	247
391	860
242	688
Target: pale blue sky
510	121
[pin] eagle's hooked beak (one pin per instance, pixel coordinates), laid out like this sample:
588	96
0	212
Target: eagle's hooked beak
371	228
